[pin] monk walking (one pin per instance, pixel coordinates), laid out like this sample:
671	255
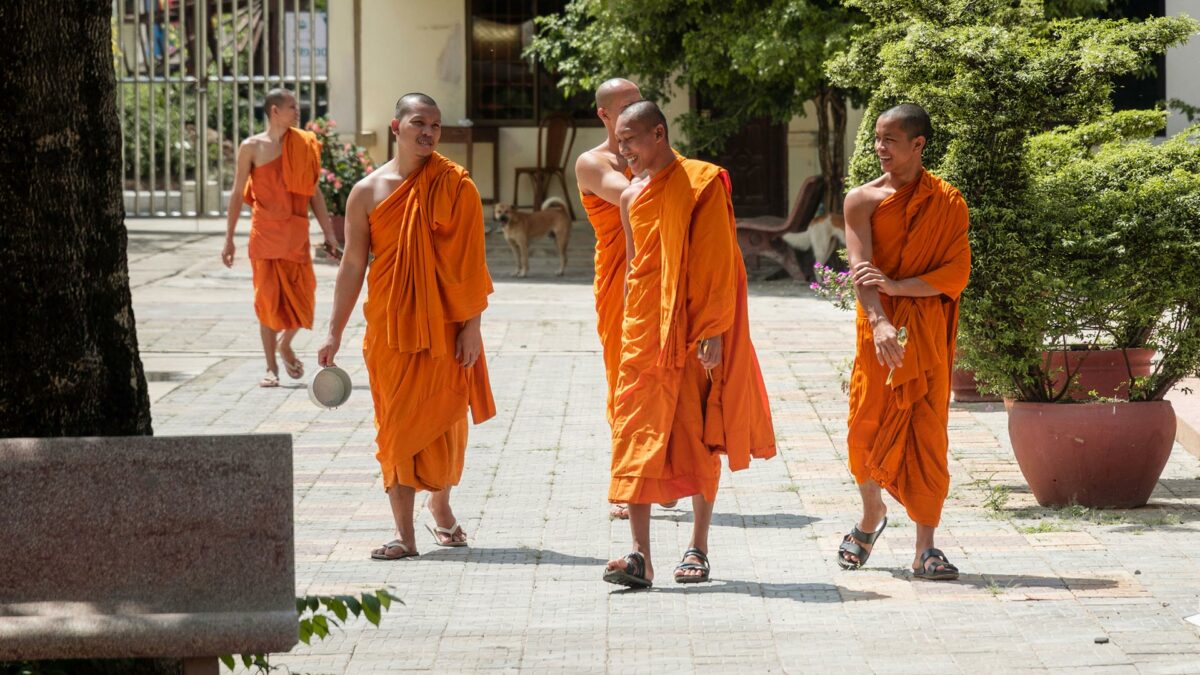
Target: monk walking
277	176
689	386
907	237
420	216
602	176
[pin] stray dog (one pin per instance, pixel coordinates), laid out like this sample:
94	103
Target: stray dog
520	227
824	236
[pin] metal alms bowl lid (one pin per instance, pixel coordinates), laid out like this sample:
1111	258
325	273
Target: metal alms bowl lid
329	387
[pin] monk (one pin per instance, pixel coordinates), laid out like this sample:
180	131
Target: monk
602	175
910	260
277	176
420	216
689	387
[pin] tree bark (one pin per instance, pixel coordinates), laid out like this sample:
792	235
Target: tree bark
70	364
824	152
837	169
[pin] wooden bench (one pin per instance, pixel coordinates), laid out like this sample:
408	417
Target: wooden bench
763	236
147	547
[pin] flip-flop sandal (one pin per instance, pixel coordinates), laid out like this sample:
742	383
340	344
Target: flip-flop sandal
269	380
943	569
295	369
449	533
684	565
618	512
383	552
851	546
634	574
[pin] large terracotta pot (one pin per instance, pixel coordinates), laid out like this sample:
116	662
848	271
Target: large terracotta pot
1101	370
965	388
1099	455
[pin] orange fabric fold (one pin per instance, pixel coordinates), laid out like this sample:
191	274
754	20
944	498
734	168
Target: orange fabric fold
898	432
687	282
608	285
278	193
428	276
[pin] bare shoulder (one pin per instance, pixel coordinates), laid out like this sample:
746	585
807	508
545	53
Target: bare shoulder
864	199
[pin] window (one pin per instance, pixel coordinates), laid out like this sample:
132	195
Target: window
502	87
1142	91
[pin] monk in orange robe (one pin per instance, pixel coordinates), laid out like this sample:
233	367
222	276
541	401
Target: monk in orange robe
420	216
689	387
277	176
910	260
602	175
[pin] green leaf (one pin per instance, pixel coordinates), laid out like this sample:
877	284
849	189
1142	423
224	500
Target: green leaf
371	608
301	605
353	603
337	606
246	660
305	631
320	627
385	598
228	661
313	602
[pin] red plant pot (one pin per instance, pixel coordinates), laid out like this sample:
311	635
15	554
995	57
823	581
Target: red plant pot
1101	370
1099	455
966	389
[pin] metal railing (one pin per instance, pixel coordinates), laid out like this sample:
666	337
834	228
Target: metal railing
191	76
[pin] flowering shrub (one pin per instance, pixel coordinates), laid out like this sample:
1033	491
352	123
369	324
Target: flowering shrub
342	165
833	285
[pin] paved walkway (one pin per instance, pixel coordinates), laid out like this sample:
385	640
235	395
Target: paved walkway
1039	587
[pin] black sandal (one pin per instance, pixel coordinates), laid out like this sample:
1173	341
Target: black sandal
684	565
943	569
851	546
634	574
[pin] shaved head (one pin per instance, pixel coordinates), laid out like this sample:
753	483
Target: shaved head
276	97
646	115
406	103
615	89
912	118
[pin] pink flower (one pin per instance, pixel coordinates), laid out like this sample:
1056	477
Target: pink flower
337	184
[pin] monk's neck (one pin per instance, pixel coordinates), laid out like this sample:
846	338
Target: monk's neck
406	166
276	131
898	179
660	163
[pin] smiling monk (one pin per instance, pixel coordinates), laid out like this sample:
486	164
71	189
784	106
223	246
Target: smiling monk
420	216
689	387
907	236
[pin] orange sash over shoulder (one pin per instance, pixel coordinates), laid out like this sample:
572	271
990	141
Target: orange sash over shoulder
898	432
428	276
609	284
687	282
278	193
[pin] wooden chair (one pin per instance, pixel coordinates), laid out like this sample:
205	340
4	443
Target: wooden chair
553	151
764	235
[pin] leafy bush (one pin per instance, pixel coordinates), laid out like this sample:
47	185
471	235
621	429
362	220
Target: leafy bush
342	165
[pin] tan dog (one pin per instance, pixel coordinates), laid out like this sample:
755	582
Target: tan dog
520	227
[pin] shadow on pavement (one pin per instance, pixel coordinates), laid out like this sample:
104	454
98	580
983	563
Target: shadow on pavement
780	520
515	556
1009	581
815	593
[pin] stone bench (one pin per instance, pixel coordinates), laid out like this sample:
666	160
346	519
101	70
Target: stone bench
146	547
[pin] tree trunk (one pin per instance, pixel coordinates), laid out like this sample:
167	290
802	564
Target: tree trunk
837	171
70	364
824	152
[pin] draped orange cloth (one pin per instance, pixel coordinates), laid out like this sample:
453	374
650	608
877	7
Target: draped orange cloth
609	284
898	432
278	193
686	283
428	276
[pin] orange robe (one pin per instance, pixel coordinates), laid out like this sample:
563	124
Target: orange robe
686	282
898	432
429	275
278	193
609	284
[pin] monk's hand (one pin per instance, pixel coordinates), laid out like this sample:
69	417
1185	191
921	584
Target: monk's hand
469	344
227	253
329	349
866	274
709	352
888	349
331	249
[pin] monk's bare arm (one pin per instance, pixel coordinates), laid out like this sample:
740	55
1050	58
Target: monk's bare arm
858	210
322	212
350	273
245	161
595	176
627	196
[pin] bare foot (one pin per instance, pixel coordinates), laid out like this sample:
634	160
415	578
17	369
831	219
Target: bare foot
622	564
872	518
618	512
395	550
693	566
271	379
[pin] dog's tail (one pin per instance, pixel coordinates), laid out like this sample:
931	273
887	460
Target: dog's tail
556	202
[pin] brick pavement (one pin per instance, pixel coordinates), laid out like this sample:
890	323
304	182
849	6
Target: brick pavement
1038	587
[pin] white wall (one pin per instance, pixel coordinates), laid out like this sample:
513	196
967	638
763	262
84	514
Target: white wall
343	105
1183	67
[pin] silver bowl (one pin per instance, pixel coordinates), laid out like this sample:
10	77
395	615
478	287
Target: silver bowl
329	387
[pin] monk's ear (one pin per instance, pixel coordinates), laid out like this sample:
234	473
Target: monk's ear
602	114
919	145
395	126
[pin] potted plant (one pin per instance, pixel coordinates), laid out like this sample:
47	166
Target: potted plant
342	165
1119	219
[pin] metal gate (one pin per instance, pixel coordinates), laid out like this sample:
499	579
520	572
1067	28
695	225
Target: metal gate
191	76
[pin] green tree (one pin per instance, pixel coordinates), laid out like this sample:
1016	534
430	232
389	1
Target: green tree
749	59
992	73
